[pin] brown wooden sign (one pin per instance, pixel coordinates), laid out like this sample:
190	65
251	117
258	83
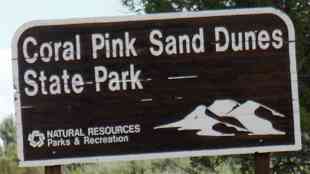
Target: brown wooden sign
154	86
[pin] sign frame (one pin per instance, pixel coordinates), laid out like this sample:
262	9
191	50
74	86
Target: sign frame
230	151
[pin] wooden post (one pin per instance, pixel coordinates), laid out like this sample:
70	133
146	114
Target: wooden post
262	163
53	170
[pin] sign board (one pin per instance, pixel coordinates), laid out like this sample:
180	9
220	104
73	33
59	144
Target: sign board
156	86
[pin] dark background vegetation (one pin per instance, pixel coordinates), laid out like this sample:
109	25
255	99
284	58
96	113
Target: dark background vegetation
284	163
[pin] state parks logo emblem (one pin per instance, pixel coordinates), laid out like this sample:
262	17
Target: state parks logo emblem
36	139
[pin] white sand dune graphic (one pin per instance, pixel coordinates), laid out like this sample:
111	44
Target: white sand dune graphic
244	113
222	107
198	120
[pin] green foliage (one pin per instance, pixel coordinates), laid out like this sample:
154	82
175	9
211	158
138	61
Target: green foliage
178	166
7	131
238	164
155	6
8	156
197	165
293	162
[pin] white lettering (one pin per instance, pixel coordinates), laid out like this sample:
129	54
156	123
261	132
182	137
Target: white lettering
154	36
224	32
28	58
278	40
263	40
28	78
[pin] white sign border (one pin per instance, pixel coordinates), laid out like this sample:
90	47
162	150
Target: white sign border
230	151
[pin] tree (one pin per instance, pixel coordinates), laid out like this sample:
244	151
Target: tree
155	6
8	155
7	131
299	11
